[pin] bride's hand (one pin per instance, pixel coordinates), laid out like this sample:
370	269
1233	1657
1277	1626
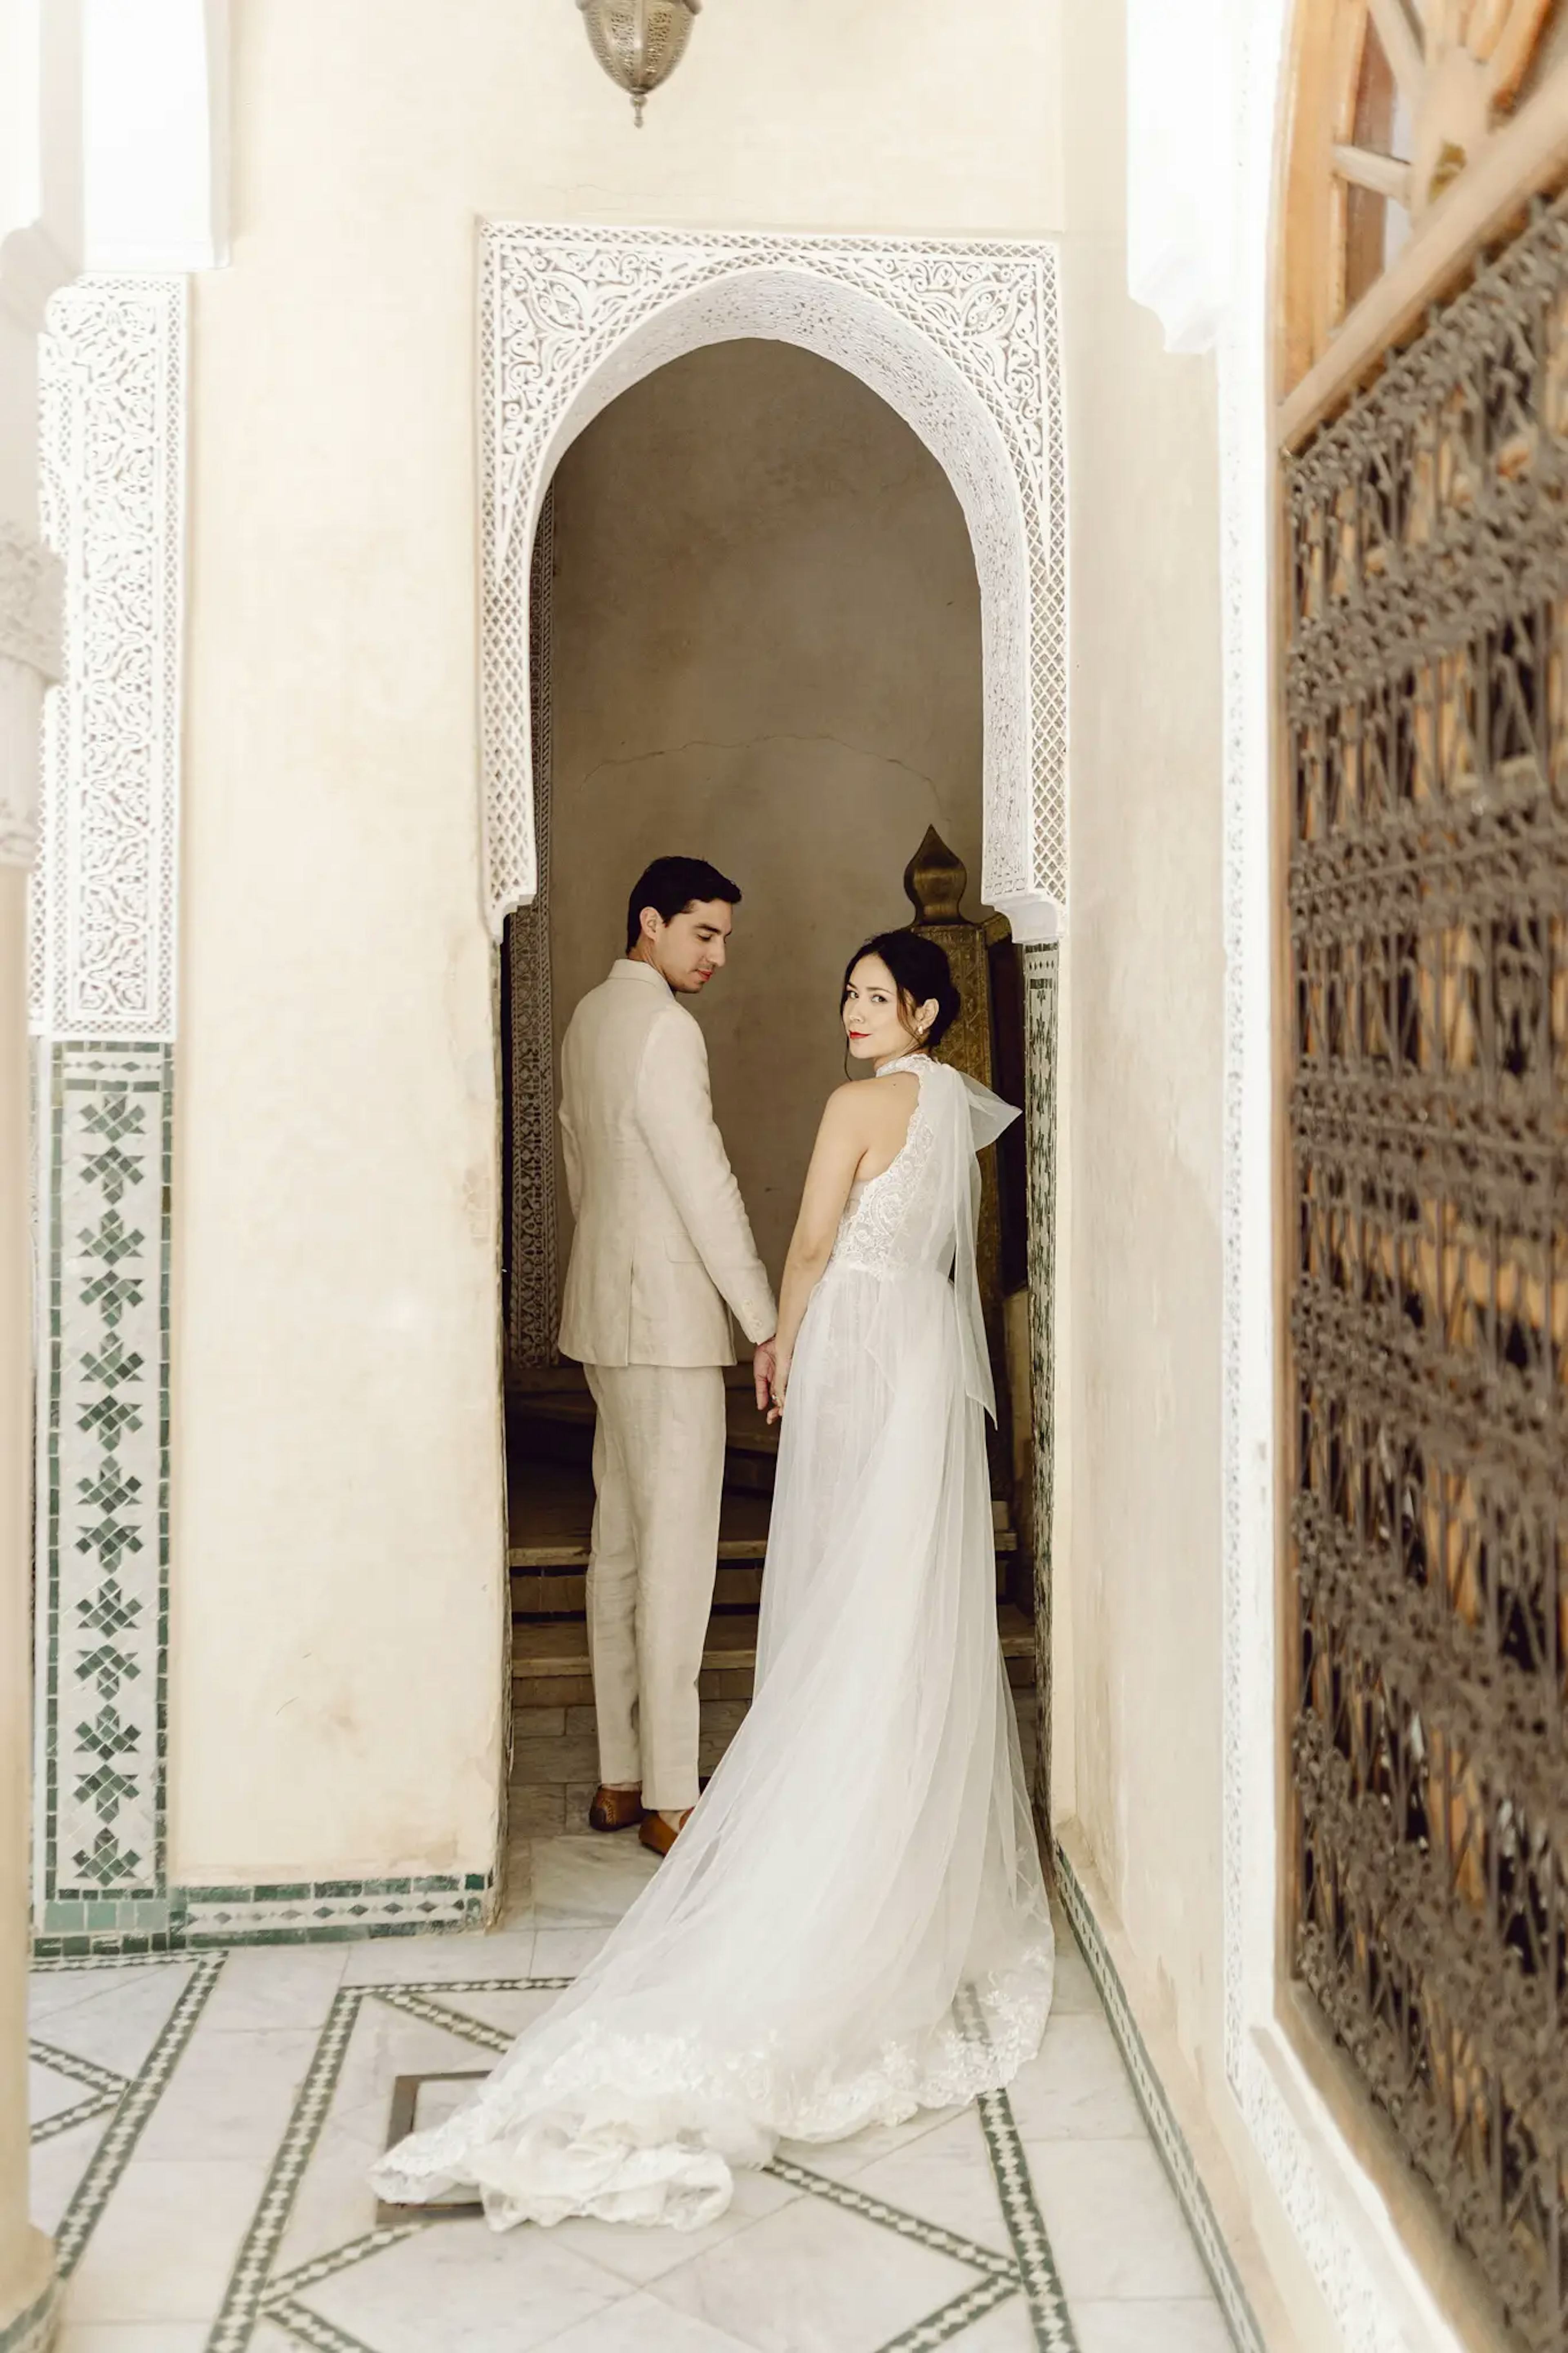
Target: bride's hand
764	1358
779	1384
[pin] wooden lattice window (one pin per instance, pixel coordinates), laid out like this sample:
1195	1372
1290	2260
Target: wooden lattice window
1415	125
1425	818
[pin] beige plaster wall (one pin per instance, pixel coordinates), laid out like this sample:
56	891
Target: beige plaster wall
1142	1070
336	1666
766	652
1139	1538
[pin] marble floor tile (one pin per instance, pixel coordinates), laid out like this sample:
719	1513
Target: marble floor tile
1187	2325
51	2093
841	2160
943	2177
588	1880
166	2242
506	2009
562	1952
466	2289
1008	2329
536	1809
230	2095
55	2169
1073	1987
49	1991
786	2270
268	2340
117	2020
334	2202
1076	2089
409	1960
1113	2220
134	2336
641	2324
266	1986
813	2279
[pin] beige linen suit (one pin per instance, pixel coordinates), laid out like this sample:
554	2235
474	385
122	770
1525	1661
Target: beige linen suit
662	1256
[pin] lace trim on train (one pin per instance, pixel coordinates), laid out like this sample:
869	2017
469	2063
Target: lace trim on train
646	2091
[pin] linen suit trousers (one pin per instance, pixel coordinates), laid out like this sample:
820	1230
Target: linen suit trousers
659	1473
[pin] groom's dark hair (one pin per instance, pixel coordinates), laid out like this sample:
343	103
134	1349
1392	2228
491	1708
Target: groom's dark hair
670	885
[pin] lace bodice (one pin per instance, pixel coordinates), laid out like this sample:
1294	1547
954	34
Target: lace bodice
895	1223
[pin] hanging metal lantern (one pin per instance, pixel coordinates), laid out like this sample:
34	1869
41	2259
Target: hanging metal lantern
638	42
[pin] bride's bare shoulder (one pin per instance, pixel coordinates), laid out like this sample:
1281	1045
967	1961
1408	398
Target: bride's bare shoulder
842	1106
865	1107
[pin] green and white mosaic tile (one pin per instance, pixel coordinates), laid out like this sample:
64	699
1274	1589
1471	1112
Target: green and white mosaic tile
284	2264
934	2234
145	2011
103	1534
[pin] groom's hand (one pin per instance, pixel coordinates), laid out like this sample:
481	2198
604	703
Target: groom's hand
765	1364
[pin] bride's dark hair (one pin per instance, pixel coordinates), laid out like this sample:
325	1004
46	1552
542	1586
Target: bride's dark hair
920	970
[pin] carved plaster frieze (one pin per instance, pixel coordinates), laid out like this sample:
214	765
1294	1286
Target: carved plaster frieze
111	389
960	339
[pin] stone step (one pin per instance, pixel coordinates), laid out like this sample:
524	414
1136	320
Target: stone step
562	1554
556	1425
550	1658
549	1580
560	1593
575	1408
555	1767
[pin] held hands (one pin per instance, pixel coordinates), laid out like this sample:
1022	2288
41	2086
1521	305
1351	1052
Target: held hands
770	1379
764	1361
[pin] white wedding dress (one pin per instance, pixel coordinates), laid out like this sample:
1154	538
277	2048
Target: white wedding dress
853	1924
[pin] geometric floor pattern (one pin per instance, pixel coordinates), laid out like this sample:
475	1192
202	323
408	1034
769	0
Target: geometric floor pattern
203	2124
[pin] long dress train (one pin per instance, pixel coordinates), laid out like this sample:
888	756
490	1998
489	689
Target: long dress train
853	1924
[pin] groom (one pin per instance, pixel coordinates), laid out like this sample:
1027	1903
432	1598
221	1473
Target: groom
662	1255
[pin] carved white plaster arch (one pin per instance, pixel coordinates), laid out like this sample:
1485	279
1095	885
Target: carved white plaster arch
960	339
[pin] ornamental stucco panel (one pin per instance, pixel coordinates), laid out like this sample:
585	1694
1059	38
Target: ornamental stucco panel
112	389
960	339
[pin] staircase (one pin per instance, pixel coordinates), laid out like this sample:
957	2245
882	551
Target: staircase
549	1482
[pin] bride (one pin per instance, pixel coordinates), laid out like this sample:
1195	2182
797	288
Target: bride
852	1925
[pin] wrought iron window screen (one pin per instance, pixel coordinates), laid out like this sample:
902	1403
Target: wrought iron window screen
1426	1254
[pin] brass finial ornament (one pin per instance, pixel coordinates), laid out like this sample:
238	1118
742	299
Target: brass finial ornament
638	42
935	881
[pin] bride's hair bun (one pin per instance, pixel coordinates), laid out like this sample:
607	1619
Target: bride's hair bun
922	971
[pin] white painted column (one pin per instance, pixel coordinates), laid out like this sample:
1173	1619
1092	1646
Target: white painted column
40	232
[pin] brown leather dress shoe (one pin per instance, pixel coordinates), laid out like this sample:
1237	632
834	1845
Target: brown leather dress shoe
656	1833
615	1810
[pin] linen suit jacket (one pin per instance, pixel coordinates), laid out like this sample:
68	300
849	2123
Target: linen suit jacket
662	1254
